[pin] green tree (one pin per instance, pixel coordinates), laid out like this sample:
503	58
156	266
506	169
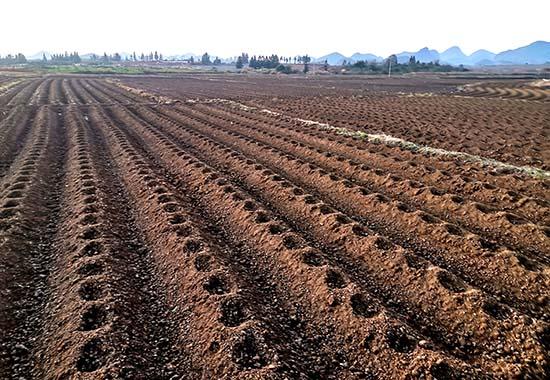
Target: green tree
239	64
205	60
306	59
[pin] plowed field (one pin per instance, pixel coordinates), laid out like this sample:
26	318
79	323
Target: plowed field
249	229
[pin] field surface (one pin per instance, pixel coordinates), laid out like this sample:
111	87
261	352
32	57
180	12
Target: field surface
256	227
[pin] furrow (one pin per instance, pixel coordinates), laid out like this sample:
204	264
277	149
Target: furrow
250	227
514	272
527	207
448	174
475	217
30	207
7	97
14	130
220	325
383	259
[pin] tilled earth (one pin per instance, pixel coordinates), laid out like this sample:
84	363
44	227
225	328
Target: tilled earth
142	238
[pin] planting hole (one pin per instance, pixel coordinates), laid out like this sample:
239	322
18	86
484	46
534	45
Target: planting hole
342	219
11	204
359	230
92	356
404	207
192	246
91	269
457	199
93	318
334	279
436	191
164	198
488	245
312	258
249	206
362	306
203	263
90	233
453	230
89	219
527	263
246	353
427	218
400	341
325	210
261	217
496	310
451	282
89	209
443	371
232	312
276	229
90	291
310	199
415	262
93	248
382	243
514	219
177	219
89	191
216	285
170	207
183	231
292	242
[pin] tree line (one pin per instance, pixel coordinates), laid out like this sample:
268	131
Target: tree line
411	66
74	57
272	61
60	59
12	59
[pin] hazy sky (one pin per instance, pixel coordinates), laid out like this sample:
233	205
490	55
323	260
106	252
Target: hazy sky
286	27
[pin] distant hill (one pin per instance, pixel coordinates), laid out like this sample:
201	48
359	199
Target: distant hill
179	57
481	57
365	57
423	55
333	59
534	54
38	56
453	56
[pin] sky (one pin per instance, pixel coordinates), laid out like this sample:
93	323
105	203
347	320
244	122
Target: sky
285	27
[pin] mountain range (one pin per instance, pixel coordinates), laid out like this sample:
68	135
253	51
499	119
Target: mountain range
533	54
536	53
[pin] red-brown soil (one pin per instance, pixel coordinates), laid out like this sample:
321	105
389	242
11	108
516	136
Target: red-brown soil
150	239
